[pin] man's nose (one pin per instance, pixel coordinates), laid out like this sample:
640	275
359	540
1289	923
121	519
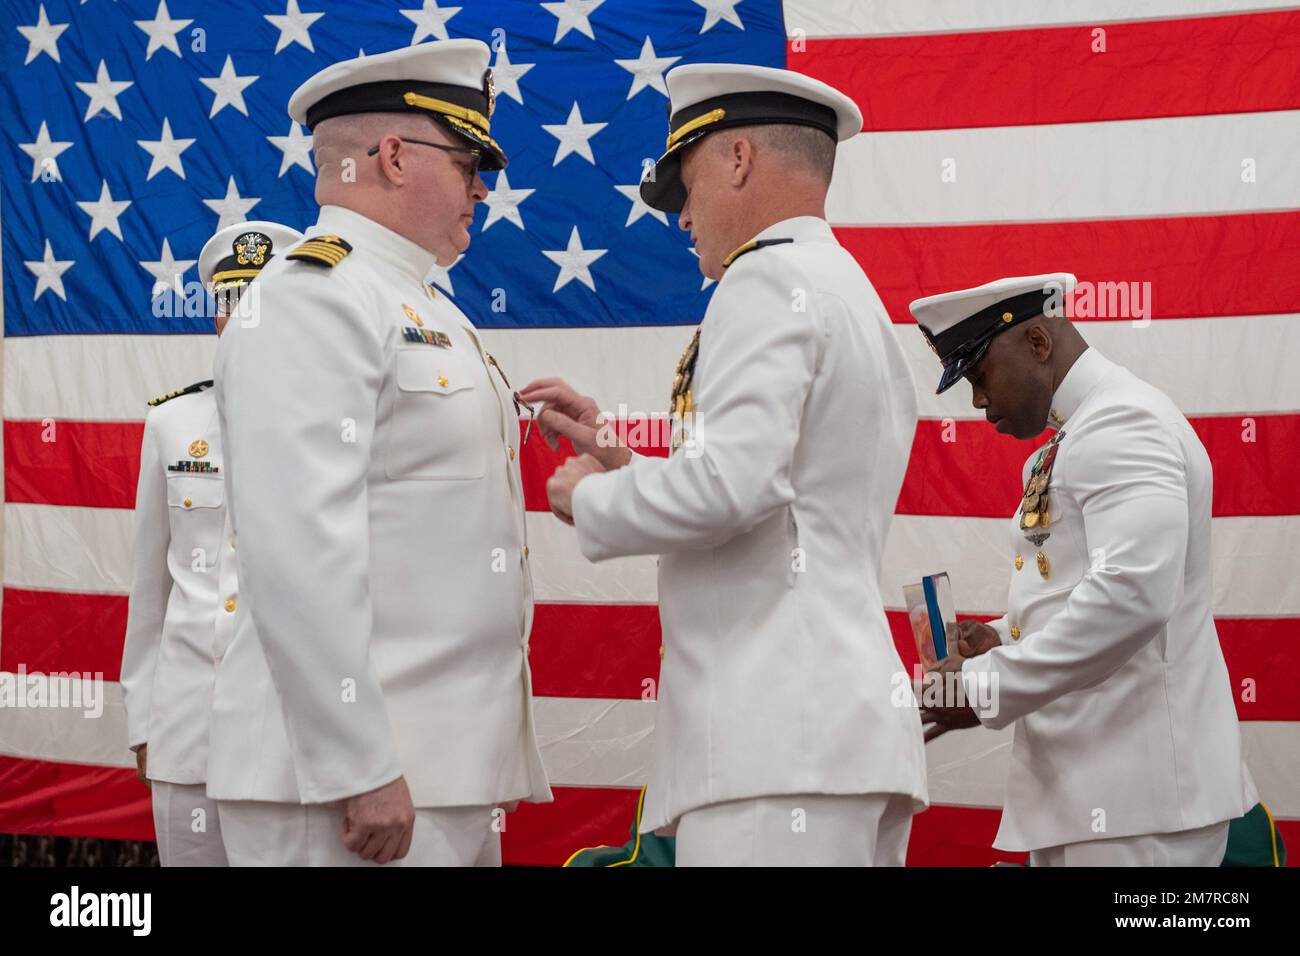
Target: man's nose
477	188
978	398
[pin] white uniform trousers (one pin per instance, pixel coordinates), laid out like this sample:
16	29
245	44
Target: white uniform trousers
288	834
186	837
868	829
1202	847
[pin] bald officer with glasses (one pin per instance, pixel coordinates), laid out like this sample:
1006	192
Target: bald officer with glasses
375	703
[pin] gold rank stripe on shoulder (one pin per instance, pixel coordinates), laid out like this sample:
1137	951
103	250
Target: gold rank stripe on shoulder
327	251
187	390
750	247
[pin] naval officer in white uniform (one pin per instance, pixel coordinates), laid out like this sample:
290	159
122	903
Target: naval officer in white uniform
168	665
777	740
375	703
1127	750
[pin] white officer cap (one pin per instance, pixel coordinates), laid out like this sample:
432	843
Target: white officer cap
236	254
706	97
960	325
447	80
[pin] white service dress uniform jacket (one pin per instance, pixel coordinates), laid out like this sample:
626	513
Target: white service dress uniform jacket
779	673
1110	667
168	663
385	598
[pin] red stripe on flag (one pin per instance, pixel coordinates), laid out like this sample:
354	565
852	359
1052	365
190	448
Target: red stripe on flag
595	650
957	836
66	799
1197	265
1254	472
93	464
966	468
53	631
547	834
1183	67
61	799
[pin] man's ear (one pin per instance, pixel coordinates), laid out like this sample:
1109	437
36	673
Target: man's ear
1040	341
742	161
392	158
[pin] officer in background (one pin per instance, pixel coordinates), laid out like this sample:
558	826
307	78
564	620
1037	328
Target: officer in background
1127	749
785	729
167	662
375	703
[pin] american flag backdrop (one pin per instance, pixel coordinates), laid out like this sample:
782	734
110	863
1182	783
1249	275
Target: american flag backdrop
1154	142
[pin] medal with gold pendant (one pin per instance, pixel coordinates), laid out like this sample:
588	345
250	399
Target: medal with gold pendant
1035	514
682	402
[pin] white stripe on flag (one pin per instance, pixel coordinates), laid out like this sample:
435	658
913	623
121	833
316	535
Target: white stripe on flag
88	550
99	377
1131	169
62	377
847	18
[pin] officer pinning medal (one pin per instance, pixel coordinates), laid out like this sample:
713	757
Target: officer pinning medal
767	601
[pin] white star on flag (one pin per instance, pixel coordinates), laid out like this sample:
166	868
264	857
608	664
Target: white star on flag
166	152
167	271
639	208
441	276
648	70
104	212
49	273
572	15
44	153
716	10
506	75
103	93
296	147
42	37
232	207
503	202
430	21
293	25
573	135
228	88
162	30
574	262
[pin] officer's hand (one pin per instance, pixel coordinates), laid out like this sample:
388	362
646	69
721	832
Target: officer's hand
377	825
142	764
563	398
577	418
974	638
953	713
559	488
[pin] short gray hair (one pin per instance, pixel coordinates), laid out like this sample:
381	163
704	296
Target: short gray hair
804	146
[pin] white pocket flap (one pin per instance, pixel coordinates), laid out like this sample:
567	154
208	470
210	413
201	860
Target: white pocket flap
193	491
425	370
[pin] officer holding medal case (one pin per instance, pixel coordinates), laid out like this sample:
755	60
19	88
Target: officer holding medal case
1127	750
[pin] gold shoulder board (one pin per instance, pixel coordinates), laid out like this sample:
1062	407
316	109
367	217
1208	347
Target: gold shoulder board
326	251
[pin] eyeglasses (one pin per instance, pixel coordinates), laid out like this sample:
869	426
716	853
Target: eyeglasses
473	167
520	405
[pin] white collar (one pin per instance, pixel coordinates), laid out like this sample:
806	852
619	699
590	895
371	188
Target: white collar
1088	369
